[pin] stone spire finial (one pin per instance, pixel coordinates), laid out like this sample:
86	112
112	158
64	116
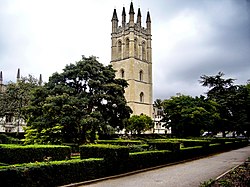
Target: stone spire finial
131	14
18	74
114	21
139	17
40	80
148	21
1	77
123	17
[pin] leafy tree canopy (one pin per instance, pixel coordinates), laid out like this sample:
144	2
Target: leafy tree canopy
187	116
139	123
233	102
76	104
16	96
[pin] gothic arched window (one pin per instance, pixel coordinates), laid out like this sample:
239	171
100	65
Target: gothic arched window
143	51
122	73
119	49
141	75
136	46
127	48
141	97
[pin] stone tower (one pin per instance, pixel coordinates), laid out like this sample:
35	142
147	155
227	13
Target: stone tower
131	57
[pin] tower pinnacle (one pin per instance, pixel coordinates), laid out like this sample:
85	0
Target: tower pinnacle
114	21
18	74
139	17
131	15
123	17
1	77
148	21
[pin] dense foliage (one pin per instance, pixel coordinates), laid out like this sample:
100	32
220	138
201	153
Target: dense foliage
137	124
233	103
77	104
187	116
57	173
13	154
226	108
15	97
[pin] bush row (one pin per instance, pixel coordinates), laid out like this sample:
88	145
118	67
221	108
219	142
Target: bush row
120	142
4	139
165	145
53	173
12	154
108	152
65	172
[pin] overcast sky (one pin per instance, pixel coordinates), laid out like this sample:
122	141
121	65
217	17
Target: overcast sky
190	38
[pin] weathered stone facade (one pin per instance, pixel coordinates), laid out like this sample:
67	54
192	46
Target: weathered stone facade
131	57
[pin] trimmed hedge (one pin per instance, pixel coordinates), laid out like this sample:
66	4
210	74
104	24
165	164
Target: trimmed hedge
138	148
4	139
193	143
53	173
120	142
108	152
13	154
165	145
141	160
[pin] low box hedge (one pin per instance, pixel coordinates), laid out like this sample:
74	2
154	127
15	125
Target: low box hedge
191	152
193	143
165	145
141	160
138	148
13	154
120	142
108	152
54	173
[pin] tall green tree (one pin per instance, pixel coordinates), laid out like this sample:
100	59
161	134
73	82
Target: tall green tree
187	116
139	123
77	104
233	101
16	97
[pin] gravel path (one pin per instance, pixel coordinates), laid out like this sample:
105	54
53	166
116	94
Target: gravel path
188	174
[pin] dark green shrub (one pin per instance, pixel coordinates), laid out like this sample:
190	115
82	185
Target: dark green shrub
4	139
164	145
13	154
191	152
138	148
140	160
54	173
108	152
74	147
120	142
193	143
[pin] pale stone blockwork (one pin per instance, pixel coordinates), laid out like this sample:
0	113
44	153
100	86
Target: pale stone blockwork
131	57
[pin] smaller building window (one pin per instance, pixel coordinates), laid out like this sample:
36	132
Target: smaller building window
9	118
141	75
141	97
119	49
127	48
143	51
122	73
